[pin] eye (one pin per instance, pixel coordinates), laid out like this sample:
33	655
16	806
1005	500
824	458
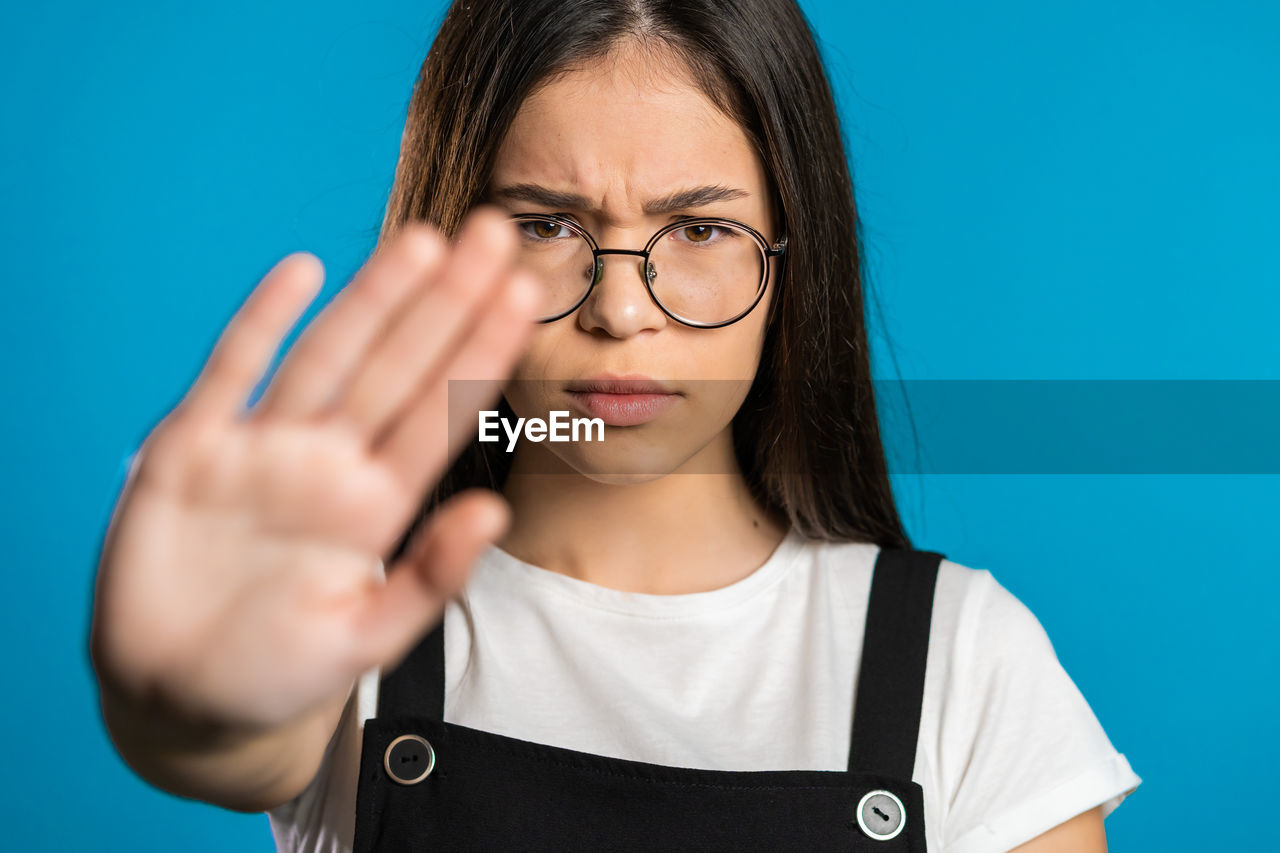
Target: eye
699	233
544	229
702	233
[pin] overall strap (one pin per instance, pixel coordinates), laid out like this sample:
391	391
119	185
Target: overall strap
895	645
416	686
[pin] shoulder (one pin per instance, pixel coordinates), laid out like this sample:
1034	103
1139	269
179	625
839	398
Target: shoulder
962	594
990	651
965	598
974	615
988	625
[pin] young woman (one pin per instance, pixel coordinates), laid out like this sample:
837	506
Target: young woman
706	629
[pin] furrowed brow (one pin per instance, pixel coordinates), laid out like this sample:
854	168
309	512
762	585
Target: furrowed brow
678	200
695	197
543	195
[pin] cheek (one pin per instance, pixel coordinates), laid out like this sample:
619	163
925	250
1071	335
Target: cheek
536	375
738	359
538	360
737	354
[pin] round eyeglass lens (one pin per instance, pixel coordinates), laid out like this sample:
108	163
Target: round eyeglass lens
706	272
701	272
560	258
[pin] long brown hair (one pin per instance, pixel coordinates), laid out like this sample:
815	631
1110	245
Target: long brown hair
807	435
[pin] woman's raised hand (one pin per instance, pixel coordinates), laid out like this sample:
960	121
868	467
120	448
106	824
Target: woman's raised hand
238	580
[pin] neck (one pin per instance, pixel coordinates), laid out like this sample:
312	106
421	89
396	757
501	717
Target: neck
683	532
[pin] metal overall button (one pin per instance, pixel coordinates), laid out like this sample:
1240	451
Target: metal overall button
409	759
881	815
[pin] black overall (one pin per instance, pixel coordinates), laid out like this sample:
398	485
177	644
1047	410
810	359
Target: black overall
429	785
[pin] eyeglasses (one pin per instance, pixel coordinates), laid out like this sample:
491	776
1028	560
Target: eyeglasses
703	272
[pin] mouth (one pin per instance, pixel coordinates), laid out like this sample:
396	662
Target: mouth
622	400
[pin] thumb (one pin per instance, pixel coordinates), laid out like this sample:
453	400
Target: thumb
397	614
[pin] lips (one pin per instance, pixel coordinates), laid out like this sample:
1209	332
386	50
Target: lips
622	400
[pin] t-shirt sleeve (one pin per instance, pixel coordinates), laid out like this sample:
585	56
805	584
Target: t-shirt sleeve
1023	749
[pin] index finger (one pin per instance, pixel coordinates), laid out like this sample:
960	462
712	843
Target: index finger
331	347
249	341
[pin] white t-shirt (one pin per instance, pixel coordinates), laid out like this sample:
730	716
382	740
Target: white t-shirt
1008	746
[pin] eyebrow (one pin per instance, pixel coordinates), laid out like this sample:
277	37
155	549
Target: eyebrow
678	200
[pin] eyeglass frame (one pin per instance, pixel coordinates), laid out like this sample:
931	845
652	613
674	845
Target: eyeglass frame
767	251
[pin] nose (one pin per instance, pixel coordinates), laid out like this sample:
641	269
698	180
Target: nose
620	304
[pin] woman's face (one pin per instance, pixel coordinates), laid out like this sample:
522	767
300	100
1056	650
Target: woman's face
617	142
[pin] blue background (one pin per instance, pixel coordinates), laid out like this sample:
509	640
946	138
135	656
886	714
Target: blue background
1081	190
